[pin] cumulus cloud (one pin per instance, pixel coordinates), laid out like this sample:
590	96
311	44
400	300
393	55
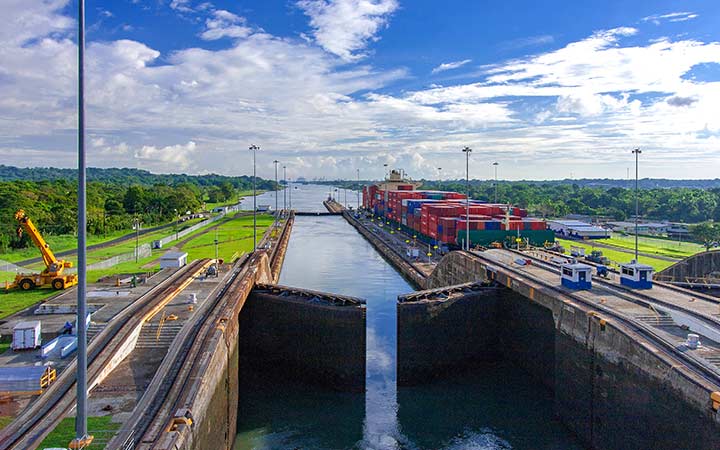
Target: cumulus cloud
450	66
344	27
677	100
225	24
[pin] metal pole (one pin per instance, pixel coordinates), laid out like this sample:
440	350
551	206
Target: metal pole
137	238
254	148
637	203
496	183
467	151
358	190
217	261
290	196
286	188
276	192
81	413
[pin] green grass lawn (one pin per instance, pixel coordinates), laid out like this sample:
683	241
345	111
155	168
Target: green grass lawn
4	421
68	242
5	342
102	428
248	193
234	236
658	246
17	300
614	255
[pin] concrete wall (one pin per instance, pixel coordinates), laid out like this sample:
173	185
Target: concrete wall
437	336
701	265
456	268
317	342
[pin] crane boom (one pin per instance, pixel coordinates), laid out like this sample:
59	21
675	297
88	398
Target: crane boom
47	254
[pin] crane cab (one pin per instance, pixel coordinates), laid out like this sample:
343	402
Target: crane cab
577	276
636	275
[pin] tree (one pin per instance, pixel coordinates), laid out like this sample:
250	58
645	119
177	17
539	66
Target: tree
707	233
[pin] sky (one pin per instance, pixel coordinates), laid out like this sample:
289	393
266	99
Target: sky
549	90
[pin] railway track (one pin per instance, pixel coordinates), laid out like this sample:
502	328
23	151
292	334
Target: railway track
702	364
43	415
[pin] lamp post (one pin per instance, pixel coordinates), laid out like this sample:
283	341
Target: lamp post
439	173
637	152
81	437
286	188
467	151
496	164
358	189
177	223
276	191
254	148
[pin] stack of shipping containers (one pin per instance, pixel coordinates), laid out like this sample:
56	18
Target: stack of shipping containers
439	216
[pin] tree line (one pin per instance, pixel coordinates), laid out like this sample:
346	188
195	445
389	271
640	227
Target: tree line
113	202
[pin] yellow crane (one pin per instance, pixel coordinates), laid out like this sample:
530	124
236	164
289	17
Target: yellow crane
52	276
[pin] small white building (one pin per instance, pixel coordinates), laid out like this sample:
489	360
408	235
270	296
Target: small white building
578	229
173	260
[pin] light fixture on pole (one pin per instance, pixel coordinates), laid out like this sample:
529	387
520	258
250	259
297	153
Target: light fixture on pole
358	189
496	164
254	148
467	151
286	188
439	173
637	152
276	192
82	439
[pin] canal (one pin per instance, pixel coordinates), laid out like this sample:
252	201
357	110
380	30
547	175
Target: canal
498	408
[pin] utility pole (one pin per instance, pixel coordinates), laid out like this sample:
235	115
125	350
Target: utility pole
254	148
637	152
440	174
358	190
136	221
467	151
496	164
217	260
82	440
177	224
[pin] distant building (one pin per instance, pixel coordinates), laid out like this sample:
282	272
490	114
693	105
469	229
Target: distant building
653	228
173	260
220	209
578	229
678	231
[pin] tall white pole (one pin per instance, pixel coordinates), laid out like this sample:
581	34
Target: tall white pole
637	202
467	151
276	190
286	188
254	149
81	435
358	190
495	164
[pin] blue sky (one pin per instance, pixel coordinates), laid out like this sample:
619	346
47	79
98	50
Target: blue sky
547	89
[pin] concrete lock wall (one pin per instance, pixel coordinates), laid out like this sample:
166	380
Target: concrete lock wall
437	336
610	391
320	343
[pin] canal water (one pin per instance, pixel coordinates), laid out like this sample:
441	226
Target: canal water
501	408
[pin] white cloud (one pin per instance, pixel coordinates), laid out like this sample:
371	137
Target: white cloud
450	66
179	156
344	27
657	19
225	24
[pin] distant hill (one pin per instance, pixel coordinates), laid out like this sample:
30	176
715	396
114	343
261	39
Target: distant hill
125	176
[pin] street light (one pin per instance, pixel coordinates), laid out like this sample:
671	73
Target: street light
358	189
439	173
496	164
177	223
254	148
467	151
637	152
286	188
277	214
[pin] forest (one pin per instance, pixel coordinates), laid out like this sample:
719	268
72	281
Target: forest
115	197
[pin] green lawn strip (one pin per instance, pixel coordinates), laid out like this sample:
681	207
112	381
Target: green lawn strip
615	256
673	249
5	421
249	193
126	246
129	267
233	236
101	427
17	300
5	342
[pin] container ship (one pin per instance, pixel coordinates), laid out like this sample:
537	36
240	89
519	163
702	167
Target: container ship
439	217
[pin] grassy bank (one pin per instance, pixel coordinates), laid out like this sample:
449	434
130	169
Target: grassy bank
102	428
615	256
656	246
